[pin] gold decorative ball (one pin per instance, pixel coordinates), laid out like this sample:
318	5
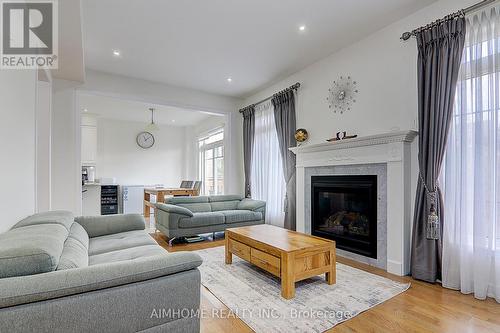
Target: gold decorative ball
301	135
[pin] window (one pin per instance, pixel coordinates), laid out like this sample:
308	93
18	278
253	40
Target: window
267	179
470	180
211	166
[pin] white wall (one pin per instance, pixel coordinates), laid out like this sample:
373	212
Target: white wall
17	145
385	69
66	169
118	154
234	149
43	146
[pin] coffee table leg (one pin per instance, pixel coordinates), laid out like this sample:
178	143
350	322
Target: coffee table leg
287	276
229	255
331	276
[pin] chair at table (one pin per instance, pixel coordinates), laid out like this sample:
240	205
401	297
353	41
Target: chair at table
197	186
187	184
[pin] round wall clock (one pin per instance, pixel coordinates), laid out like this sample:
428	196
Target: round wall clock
145	140
342	95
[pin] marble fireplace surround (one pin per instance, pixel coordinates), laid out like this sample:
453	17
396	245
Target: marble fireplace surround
389	157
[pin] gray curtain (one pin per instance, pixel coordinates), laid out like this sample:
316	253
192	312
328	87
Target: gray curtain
248	139
439	56
284	116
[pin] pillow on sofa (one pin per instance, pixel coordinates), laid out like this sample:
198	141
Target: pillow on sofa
31	250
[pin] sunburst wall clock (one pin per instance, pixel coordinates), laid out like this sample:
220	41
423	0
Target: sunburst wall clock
342	95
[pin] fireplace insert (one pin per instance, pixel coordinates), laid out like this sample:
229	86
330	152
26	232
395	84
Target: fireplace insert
344	209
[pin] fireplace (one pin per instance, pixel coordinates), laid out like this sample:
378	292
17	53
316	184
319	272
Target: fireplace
344	209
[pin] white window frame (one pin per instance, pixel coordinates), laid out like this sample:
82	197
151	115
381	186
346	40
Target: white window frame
202	149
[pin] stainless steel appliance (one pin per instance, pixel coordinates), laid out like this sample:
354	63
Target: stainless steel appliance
88	174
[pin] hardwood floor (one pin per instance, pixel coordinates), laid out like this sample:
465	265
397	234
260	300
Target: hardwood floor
423	308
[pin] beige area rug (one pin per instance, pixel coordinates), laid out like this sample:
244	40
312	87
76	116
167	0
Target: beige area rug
254	296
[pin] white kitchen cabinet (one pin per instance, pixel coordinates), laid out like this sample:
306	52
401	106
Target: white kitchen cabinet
89	145
91	196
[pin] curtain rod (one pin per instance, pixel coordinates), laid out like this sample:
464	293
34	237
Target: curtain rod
407	35
292	87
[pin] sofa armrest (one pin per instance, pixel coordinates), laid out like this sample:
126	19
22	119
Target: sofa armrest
173	209
97	226
251	204
39	287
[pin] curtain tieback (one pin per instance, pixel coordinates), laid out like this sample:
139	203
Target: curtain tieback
285	203
432	227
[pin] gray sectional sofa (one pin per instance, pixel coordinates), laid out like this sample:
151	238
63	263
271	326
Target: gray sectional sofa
94	274
188	216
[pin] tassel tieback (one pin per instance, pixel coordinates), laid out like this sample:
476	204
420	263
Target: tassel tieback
432	226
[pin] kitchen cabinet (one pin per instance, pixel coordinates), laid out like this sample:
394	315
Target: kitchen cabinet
91	196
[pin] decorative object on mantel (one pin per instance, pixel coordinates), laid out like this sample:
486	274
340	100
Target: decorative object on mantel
342	95
301	136
342	136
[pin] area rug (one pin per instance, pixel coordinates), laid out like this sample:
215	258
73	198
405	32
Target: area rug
254	296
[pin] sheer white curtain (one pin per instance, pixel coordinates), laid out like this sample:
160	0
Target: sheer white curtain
471	177
267	180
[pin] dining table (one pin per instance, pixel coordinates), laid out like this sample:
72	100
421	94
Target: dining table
160	193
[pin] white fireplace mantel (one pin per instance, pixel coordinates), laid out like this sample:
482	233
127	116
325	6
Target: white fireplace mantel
393	149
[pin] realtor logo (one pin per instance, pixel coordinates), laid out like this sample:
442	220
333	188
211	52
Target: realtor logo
29	34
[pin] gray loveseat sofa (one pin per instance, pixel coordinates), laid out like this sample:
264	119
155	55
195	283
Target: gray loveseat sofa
94	274
187	216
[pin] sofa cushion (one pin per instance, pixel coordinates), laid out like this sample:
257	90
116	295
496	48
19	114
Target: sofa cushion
126	254
186	200
78	233
75	252
96	226
251	204
119	241
235	216
61	217
227	197
197	207
31	249
194	204
224	205
201	220
74	255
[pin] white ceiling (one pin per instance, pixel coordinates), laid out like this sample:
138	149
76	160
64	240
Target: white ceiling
114	108
198	44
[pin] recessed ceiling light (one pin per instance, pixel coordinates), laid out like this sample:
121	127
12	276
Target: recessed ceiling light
229	79
85	110
302	28
116	53
173	120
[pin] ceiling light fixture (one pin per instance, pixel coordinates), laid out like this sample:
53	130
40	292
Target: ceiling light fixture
85	110
116	53
302	28
151	127
173	120
229	80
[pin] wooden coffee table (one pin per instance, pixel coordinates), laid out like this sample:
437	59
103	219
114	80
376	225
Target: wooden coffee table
289	255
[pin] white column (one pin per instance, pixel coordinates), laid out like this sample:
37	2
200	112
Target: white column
301	227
